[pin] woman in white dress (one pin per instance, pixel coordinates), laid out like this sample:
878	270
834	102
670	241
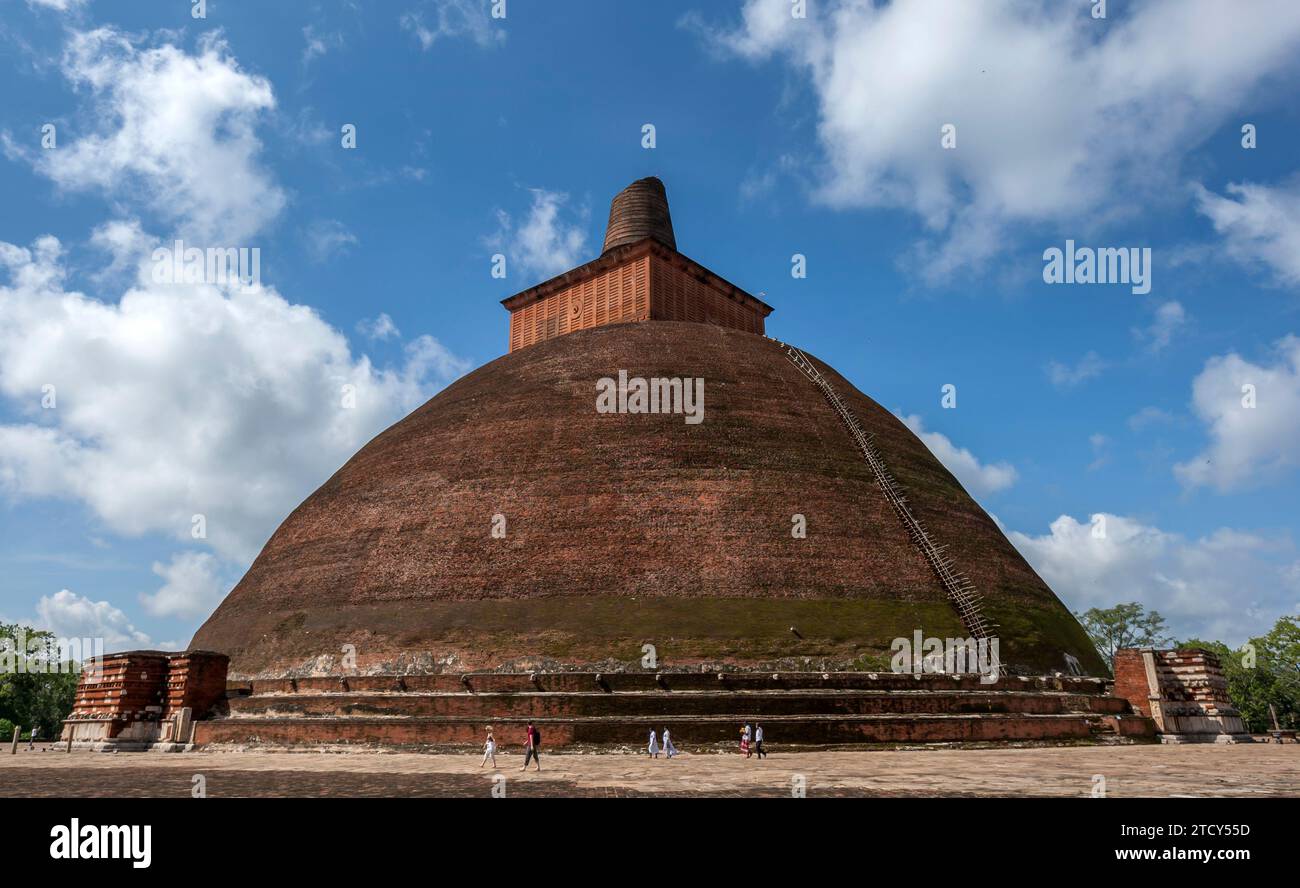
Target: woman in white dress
489	751
653	748
669	749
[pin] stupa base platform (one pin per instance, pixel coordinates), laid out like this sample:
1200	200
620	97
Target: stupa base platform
701	709
125	746
1206	738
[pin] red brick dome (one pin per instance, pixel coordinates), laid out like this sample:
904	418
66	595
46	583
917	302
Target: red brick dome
625	530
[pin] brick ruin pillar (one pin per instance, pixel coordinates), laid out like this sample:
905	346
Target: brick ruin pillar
140	700
1183	691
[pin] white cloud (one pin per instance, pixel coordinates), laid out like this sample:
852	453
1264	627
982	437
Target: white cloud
1249	446
189	399
304	128
69	615
317	44
1169	320
543	245
186	399
1147	417
192	586
1059	117
174	130
1228	585
57	5
124	241
1260	225
379	329
1064	376
1100	445
329	237
978	478
441	19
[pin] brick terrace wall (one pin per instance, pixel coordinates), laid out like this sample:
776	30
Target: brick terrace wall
415	732
577	682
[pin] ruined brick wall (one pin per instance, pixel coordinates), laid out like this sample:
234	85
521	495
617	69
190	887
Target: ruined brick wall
1131	680
128	687
1184	691
195	680
133	694
1195	692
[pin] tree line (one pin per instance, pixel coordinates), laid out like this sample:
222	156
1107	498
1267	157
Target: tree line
36	687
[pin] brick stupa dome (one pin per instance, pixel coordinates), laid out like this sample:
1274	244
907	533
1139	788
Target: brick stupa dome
626	530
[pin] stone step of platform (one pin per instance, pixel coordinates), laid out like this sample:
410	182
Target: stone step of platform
577	682
657	704
689	732
701	709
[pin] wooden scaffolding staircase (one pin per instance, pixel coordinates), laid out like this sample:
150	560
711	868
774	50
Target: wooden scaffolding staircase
966	600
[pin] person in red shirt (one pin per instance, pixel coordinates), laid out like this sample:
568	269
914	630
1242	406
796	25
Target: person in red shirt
533	740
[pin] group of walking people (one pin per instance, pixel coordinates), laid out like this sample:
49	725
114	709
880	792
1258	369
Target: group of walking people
532	747
668	749
751	743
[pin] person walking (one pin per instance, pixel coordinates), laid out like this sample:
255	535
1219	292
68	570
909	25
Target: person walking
669	749
490	751
744	741
653	748
758	741
31	739
531	743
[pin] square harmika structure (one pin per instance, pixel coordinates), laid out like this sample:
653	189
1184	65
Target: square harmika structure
640	276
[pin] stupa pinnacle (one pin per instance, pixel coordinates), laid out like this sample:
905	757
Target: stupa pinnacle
639	211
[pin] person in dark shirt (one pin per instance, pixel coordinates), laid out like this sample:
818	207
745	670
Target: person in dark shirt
533	739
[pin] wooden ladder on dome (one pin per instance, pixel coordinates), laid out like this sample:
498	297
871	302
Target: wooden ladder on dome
966	600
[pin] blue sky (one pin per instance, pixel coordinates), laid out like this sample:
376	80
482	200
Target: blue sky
775	135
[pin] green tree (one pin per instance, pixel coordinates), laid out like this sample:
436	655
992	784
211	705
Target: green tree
36	688
1265	671
1282	645
1123	626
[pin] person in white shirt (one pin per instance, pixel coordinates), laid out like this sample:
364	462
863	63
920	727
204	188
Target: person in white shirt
758	741
653	748
669	749
489	751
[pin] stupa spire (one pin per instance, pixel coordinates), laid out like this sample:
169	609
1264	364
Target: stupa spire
639	211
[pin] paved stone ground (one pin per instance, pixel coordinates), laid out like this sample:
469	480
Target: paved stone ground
1246	770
